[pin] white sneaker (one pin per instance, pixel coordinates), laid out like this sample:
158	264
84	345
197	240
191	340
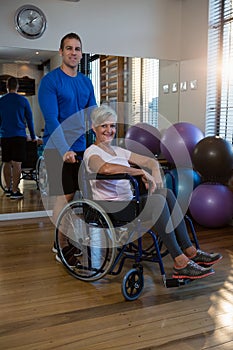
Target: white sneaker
54	249
57	258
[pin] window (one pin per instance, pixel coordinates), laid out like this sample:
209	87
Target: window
95	76
219	120
145	84
131	80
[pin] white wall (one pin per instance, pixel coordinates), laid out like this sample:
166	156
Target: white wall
148	28
168	105
193	64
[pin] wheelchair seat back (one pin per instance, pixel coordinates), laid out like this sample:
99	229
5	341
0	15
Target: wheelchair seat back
31	155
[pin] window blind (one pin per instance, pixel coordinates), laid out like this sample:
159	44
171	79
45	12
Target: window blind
145	82
219	105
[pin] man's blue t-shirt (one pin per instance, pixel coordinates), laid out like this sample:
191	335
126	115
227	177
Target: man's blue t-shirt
15	116
65	102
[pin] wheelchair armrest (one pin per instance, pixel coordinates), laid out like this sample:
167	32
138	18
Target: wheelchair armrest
122	176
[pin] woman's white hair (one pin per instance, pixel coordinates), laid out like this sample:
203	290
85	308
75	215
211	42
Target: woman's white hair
100	114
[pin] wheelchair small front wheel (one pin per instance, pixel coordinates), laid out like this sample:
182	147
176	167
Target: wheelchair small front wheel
132	284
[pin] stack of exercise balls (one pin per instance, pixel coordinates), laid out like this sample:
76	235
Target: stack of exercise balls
201	168
211	202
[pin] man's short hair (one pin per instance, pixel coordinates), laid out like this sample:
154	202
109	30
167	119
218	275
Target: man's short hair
12	83
70	36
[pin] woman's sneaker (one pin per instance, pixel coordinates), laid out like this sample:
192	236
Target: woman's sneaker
192	271
206	259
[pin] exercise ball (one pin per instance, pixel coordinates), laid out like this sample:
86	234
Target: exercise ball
182	181
178	142
144	139
211	205
213	159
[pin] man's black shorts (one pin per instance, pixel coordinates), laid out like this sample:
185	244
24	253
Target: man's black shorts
62	177
13	148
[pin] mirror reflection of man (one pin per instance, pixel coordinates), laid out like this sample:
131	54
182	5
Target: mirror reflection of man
15	116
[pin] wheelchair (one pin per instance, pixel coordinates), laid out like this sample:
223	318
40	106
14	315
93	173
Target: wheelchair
91	244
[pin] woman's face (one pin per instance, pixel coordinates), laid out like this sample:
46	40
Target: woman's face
106	131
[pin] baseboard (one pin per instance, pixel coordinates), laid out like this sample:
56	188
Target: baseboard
25	215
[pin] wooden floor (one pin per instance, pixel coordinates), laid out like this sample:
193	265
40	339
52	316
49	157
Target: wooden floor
43	307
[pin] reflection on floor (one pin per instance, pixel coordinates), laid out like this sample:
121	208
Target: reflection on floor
32	205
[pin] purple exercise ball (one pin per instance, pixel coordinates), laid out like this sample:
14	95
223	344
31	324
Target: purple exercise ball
178	142
211	205
144	139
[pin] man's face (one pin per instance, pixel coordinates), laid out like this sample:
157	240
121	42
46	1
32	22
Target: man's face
71	52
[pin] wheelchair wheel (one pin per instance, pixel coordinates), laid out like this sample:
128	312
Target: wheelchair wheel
85	239
2	178
132	284
41	176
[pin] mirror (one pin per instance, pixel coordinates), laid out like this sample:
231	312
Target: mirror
151	82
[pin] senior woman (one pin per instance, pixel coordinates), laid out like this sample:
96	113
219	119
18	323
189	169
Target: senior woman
159	206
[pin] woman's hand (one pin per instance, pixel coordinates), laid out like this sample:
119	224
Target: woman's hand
149	182
152	182
156	173
69	157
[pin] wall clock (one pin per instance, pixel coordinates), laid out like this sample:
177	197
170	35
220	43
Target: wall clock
30	21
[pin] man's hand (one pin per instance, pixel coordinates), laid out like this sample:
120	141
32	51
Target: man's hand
70	157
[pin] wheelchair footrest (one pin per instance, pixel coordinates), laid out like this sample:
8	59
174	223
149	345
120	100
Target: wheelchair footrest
174	282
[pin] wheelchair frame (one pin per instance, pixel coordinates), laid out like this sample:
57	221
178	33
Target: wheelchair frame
91	246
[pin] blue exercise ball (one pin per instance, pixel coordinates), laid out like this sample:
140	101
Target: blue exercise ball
178	142
211	205
144	139
182	181
213	159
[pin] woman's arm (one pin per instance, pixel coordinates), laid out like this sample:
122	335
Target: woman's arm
98	165
148	163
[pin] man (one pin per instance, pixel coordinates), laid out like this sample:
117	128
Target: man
64	97
15	116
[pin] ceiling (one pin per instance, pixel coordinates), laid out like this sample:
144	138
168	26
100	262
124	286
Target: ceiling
29	56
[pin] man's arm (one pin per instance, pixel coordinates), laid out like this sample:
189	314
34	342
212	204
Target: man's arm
29	119
48	103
